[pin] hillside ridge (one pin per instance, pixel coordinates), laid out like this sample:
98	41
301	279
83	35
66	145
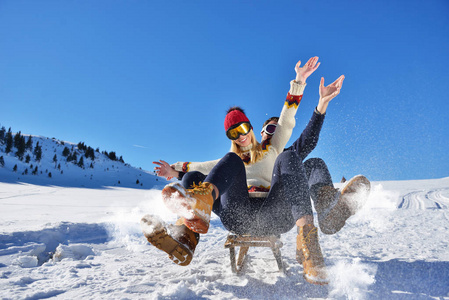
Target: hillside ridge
41	160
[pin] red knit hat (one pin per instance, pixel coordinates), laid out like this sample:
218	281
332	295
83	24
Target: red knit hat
234	117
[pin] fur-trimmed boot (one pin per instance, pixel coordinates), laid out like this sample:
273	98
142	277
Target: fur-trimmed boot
335	206
193	205
178	241
309	255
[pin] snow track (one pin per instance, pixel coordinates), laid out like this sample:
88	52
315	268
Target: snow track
425	199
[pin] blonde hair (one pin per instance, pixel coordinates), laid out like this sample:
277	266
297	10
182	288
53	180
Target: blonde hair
256	152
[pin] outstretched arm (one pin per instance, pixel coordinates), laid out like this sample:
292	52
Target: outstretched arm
327	93
309	137
165	170
287	121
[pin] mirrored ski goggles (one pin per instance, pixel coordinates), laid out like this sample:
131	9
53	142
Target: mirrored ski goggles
269	129
233	133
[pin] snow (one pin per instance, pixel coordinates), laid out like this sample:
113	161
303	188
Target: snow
104	174
68	242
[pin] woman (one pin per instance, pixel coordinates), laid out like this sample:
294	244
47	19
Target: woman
255	189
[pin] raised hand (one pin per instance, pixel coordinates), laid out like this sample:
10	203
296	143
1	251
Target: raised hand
165	170
302	73
327	93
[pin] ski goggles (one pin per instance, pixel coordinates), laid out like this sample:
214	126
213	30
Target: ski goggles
233	133
269	129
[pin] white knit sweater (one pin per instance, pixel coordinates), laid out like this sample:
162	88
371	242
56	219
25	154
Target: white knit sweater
259	174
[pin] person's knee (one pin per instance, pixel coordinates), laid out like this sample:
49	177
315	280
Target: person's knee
288	156
288	162
232	159
231	156
192	177
288	159
315	162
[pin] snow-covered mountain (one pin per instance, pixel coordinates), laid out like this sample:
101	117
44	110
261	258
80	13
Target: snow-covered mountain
65	164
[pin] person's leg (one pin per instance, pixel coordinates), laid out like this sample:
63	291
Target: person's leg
321	188
318	175
224	190
179	240
233	206
333	206
191	178
307	219
288	201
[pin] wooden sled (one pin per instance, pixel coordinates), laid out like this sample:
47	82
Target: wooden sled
247	241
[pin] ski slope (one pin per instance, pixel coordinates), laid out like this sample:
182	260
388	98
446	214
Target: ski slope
72	243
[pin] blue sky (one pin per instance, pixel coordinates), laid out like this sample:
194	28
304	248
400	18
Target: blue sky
152	79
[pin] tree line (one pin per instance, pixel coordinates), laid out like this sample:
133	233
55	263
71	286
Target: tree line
21	145
18	142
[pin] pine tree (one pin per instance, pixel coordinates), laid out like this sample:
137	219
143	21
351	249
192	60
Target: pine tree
2	161
27	159
90	153
29	144
9	141
65	152
14	168
17	138
20	144
38	152
2	133
74	157
112	156
55	159
81	163
82	146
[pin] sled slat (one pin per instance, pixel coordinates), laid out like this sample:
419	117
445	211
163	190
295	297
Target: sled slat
247	241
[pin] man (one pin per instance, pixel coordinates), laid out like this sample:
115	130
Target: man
333	206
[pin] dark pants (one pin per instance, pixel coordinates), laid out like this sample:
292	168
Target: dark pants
292	185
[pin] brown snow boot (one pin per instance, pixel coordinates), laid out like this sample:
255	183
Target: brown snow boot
194	205
334	207
309	255
178	241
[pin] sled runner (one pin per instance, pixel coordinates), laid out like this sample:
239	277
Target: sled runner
247	241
